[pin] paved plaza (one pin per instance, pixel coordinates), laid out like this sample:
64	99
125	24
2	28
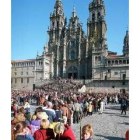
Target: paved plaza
111	125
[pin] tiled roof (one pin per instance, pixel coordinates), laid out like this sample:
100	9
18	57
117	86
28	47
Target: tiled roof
112	56
115	56
19	61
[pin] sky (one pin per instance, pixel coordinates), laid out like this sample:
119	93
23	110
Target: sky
30	21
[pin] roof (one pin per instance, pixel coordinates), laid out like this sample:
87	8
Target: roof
113	53
19	61
115	56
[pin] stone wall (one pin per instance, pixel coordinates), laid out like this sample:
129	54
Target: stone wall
107	86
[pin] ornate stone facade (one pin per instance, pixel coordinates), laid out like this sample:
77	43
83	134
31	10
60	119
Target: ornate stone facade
71	53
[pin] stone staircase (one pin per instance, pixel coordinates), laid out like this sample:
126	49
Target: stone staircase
59	84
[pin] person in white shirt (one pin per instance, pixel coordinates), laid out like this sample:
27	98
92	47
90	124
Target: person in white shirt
101	106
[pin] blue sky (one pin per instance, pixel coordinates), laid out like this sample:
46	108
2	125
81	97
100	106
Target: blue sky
30	21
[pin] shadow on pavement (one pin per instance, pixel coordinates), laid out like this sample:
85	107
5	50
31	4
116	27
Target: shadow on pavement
109	137
114	107
126	123
110	113
119	115
125	116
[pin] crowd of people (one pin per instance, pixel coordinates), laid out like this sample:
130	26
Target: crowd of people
60	84
57	110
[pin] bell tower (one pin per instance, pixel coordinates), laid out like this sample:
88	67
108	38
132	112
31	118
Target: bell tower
96	32
96	25
126	44
57	23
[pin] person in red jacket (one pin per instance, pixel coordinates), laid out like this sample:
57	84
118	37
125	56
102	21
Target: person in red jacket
127	135
44	133
64	132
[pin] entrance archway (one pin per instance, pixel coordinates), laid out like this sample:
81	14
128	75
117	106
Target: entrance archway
72	72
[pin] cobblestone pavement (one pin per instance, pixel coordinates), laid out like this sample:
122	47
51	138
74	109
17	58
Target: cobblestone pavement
110	125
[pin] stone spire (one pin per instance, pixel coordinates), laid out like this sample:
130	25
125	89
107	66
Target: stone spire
57	21
58	8
74	20
73	12
126	44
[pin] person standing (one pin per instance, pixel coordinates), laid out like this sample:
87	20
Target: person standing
63	132
64	110
101	106
58	113
90	108
123	105
77	110
44	133
69	114
127	135
49	111
96	105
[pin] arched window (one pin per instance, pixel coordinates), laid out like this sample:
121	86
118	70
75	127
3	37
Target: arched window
120	61
99	58
93	16
72	44
72	54
57	24
116	62
53	24
21	80
124	61
112	61
96	59
98	15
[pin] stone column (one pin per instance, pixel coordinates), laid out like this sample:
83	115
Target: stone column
64	59
93	65
86	58
52	66
53	34
86	69
79	54
87	29
57	68
35	77
64	69
79	69
57	62
43	68
79	46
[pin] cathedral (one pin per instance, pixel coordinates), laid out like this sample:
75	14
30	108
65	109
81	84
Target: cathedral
70	53
75	54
